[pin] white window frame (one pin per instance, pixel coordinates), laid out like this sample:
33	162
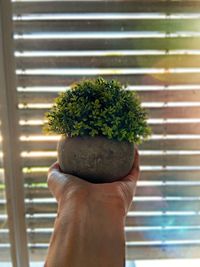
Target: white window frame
11	145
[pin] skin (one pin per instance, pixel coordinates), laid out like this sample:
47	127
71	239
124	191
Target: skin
89	227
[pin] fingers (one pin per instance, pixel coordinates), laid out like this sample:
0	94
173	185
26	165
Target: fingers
135	171
55	165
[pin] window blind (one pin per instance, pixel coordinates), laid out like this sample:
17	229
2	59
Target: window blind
154	47
4	240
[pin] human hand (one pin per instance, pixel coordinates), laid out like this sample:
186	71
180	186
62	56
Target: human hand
89	228
64	186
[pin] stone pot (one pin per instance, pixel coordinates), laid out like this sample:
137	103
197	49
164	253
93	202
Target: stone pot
95	159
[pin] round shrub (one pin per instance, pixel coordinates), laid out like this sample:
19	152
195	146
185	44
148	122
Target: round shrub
99	107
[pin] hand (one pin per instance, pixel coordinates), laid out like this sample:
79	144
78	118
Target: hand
93	213
65	186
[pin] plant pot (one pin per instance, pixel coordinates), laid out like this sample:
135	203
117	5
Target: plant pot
95	159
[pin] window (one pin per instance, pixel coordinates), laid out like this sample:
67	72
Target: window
154	47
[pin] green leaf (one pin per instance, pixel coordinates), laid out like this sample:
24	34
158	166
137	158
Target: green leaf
99	107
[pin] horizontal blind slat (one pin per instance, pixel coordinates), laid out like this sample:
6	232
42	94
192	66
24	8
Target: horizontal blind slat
148	160
163	220
135	236
162	252
159	144
150	175
131	221
105	6
142	191
107	44
163	235
102	24
157	112
109	61
183	95
165	128
136	206
142	79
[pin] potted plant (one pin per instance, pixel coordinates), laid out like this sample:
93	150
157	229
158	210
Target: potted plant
99	122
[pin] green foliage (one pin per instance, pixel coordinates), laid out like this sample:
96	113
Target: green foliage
99	107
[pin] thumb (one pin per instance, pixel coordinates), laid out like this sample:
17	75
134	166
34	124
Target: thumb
59	182
128	183
56	180
135	170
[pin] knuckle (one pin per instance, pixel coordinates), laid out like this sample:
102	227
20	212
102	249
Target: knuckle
49	179
127	194
49	175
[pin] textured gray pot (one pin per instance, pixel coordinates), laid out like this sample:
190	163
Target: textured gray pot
95	159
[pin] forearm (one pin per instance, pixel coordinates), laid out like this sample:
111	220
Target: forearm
87	241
